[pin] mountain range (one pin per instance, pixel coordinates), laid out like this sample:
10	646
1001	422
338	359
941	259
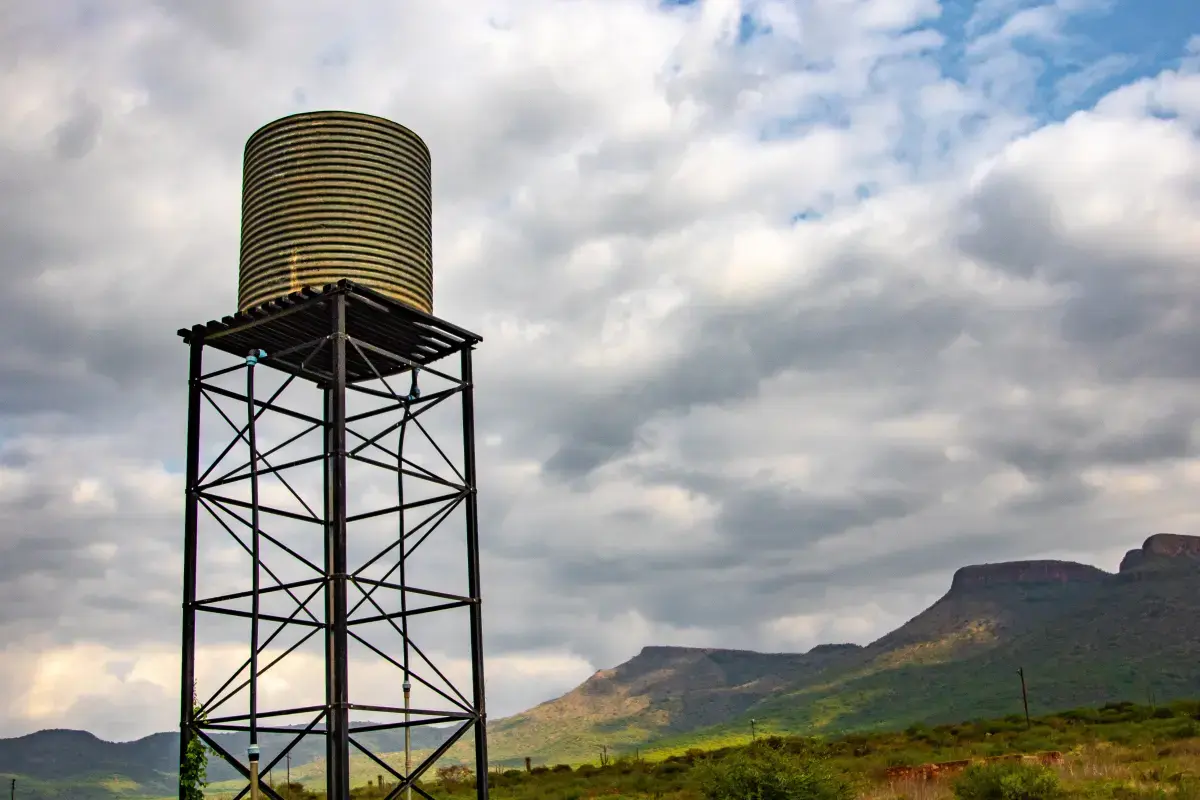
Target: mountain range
1082	636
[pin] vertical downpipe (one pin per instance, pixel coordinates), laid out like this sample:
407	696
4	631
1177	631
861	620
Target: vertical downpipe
403	574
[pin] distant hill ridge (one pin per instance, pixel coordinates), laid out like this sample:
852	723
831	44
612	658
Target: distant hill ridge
1019	572
1162	549
1083	635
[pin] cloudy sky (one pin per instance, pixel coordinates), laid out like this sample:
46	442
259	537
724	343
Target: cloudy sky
790	307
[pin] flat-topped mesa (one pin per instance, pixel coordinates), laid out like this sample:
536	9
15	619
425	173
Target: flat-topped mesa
1162	547
835	649
1024	572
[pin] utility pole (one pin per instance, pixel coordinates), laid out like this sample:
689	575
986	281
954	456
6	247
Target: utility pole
289	774
1024	697
753	735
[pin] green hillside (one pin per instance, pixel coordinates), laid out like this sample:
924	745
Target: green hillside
1120	751
1083	637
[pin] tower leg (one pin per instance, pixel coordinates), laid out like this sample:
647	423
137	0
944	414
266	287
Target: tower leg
187	682
337	637
473	590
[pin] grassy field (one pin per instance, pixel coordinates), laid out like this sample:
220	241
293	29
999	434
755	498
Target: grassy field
1121	751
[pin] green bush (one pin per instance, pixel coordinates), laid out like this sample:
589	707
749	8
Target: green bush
670	768
771	775
1185	730
1008	781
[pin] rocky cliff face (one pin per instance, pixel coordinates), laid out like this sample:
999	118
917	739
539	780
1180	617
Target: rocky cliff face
1162	548
1024	572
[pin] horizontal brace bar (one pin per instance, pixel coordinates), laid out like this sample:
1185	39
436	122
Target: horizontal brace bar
445	498
261	471
287	412
281	713
391	726
407	362
423	400
297	370
373	392
412	612
420	476
223	371
426	592
424	712
314	346
229	612
279	512
261	729
281	588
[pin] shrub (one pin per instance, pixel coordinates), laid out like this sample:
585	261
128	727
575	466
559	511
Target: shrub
771	775
1008	781
800	745
455	776
1185	730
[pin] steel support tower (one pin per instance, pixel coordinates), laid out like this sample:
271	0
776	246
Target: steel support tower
339	343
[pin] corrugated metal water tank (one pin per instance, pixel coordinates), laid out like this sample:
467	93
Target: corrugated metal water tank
329	195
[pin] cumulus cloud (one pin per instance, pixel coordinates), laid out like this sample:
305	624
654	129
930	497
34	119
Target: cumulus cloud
786	313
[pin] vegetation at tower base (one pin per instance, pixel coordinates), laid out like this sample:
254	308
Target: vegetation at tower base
193	772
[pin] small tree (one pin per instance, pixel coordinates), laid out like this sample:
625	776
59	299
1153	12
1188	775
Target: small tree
1008	781
193	772
769	774
456	776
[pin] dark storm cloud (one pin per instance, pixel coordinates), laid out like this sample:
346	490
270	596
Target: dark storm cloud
786	519
1048	441
41	557
730	354
77	135
1012	225
53	565
1129	319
